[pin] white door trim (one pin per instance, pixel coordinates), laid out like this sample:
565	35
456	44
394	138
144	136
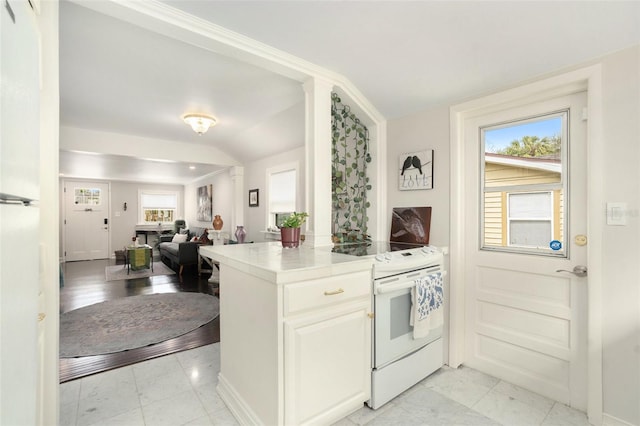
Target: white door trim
564	83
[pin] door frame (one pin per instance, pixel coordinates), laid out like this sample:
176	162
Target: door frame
590	78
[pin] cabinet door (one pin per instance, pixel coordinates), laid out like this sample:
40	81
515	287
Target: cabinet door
327	364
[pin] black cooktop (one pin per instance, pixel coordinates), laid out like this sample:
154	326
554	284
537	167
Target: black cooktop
371	248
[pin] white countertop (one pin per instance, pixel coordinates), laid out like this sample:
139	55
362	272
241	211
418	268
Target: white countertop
279	265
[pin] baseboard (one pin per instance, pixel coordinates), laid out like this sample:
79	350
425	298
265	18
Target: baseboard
234	402
609	420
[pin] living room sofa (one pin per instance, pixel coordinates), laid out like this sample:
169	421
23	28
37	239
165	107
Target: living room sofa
178	255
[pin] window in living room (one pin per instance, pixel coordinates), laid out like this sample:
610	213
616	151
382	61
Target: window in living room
158	206
281	196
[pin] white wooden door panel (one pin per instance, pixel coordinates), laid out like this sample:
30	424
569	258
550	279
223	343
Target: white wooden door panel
549	294
530	329
536	371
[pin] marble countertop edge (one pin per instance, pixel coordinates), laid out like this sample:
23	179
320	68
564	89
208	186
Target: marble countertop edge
280	265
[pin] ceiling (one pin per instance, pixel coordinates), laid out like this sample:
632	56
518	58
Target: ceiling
403	56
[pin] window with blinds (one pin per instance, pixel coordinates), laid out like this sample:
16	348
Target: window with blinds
281	193
158	207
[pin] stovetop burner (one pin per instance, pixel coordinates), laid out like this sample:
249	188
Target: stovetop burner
371	248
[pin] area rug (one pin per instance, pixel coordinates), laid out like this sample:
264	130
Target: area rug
133	322
119	272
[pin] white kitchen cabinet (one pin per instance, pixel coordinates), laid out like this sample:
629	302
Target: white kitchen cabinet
295	334
328	355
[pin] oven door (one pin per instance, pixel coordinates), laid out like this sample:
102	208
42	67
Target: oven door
393	336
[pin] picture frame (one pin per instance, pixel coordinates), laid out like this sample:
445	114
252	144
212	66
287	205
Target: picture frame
415	170
253	198
205	203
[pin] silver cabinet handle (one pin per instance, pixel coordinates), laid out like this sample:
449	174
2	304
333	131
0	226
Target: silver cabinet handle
578	271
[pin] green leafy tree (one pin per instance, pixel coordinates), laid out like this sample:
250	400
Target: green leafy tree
533	146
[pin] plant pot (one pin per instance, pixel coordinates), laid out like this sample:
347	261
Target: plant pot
290	237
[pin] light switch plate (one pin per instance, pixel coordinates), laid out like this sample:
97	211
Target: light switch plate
617	214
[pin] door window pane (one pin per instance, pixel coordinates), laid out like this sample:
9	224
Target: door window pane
524	153
522	178
87	196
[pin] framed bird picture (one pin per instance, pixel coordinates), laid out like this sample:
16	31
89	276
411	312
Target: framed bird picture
415	170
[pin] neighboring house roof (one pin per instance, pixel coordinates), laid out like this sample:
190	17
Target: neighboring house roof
535	163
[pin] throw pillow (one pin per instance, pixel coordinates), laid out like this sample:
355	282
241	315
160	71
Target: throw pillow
179	238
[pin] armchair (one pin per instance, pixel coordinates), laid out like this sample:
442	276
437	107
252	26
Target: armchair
179	224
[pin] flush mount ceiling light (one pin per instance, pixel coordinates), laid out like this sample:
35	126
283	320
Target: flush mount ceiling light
200	123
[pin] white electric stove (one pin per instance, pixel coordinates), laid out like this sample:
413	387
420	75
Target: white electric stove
399	360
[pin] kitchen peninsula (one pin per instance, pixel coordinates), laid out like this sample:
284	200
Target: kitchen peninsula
295	333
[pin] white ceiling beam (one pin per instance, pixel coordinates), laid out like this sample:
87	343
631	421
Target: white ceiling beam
83	140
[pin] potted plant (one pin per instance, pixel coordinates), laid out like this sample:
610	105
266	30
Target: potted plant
290	229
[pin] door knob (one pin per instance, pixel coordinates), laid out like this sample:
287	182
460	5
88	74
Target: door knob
578	271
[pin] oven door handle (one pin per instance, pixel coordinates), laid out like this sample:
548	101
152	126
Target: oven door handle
400	286
395	287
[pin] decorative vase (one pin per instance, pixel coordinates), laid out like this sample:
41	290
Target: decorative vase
240	234
217	222
290	237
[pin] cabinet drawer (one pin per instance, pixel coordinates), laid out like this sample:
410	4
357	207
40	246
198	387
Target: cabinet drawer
325	292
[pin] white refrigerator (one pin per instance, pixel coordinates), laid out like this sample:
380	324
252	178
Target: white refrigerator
19	212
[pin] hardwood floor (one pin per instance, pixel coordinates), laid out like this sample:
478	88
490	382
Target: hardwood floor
84	284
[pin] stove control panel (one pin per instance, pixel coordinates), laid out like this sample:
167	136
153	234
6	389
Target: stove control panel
405	260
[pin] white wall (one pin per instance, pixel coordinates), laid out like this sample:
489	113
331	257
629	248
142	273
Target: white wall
423	131
426	130
222	201
255	177
123	222
621	244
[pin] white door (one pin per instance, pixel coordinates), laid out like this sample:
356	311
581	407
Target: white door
86	220
20	73
526	219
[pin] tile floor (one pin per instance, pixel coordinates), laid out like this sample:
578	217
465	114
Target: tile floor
180	389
